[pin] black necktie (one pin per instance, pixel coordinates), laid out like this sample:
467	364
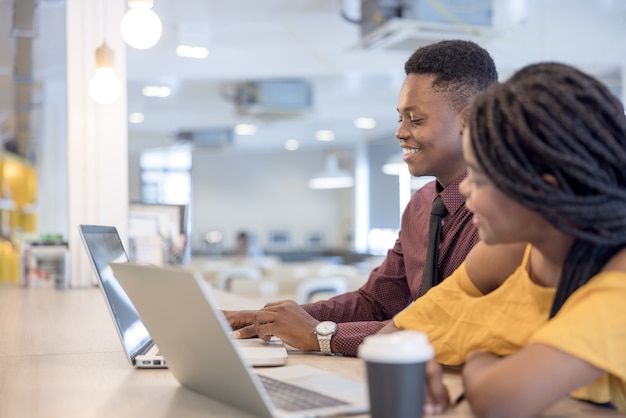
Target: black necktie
430	276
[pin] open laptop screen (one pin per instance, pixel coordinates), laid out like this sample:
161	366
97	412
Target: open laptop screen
104	246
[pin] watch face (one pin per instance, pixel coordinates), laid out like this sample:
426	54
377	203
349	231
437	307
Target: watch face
326	328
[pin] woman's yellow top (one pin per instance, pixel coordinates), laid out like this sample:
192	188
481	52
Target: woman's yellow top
459	319
591	325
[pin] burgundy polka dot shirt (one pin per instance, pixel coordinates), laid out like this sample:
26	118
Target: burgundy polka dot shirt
397	281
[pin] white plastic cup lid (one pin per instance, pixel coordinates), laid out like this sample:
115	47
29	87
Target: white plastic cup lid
397	347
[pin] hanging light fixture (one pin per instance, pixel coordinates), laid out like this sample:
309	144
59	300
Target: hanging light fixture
141	28
105	87
332	177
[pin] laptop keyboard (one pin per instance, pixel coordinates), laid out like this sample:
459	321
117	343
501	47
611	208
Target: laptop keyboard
289	397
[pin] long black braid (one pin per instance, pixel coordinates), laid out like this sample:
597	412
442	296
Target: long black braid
552	119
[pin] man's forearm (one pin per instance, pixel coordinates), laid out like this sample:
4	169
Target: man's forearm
351	334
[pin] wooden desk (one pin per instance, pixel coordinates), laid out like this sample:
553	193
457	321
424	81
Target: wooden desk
60	357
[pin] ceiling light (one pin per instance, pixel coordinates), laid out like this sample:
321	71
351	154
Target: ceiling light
136	117
365	123
141	28
324	135
332	177
292	144
156	91
245	129
188	51
105	87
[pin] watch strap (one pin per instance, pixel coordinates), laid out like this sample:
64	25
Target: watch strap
324	341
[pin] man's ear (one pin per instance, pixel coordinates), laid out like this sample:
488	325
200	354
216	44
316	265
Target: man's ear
551	180
464	115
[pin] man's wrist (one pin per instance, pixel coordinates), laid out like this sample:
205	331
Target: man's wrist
324	332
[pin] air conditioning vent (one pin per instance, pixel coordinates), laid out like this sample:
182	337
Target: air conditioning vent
411	24
207	138
407	35
274	98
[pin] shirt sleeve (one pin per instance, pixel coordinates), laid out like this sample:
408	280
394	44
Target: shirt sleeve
396	283
365	311
351	329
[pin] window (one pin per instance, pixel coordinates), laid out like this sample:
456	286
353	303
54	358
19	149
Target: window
166	175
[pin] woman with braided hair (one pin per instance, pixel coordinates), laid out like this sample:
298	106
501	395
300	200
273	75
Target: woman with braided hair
537	311
546	152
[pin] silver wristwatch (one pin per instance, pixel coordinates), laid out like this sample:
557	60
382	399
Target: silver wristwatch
324	332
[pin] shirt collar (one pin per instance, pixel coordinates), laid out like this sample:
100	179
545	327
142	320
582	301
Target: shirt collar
451	196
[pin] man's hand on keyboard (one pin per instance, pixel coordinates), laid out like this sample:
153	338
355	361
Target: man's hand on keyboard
286	320
240	319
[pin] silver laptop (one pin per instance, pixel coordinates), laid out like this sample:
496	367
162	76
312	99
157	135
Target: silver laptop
103	245
179	308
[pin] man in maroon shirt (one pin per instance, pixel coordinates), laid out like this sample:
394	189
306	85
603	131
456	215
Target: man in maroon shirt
441	81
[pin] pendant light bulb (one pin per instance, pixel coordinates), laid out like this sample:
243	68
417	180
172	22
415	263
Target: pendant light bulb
105	87
141	28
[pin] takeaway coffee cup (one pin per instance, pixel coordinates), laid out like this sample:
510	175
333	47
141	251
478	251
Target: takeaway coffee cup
396	373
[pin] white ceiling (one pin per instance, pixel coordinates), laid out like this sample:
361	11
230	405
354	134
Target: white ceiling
255	40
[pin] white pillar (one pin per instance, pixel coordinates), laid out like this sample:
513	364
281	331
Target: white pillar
361	198
52	160
97	135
